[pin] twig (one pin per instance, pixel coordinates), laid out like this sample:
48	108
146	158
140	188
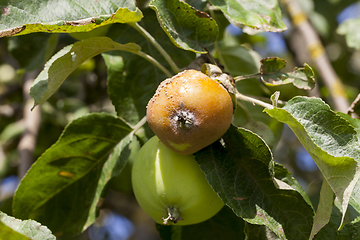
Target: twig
2	158
210	57
239	78
155	43
253	100
139	125
318	55
155	62
32	121
266	99
353	105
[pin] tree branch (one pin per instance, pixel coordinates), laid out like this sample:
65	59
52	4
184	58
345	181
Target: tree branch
32	121
318	55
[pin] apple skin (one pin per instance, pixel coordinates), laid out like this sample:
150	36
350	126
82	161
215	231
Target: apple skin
167	183
189	111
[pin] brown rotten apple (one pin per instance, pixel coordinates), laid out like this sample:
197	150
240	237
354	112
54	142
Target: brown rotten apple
189	111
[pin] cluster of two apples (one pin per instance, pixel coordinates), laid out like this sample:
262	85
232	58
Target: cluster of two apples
187	113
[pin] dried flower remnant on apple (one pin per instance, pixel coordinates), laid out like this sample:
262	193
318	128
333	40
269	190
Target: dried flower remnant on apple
189	111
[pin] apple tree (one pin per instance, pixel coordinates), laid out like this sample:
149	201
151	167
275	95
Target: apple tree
76	78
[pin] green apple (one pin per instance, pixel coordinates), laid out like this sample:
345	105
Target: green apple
170	187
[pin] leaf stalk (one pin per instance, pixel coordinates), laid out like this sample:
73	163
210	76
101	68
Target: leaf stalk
155	43
253	100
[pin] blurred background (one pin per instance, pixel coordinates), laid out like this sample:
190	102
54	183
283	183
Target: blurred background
25	135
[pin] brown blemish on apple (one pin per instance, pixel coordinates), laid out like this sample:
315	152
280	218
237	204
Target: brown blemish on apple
189	109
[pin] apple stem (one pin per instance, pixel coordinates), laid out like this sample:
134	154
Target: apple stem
153	61
153	41
253	100
173	216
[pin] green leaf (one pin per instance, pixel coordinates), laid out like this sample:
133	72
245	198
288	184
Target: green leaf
259	232
239	60
302	78
121	172
330	140
331	232
201	5
241	171
59	67
68	179
8	233
348	28
353	121
323	212
15	229
224	225
112	167
257	14
285	176
275	98
272	64
263	130
24	17
187	28
355	195
355	198
11	131
119	94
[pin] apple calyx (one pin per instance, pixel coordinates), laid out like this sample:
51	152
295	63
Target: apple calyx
173	216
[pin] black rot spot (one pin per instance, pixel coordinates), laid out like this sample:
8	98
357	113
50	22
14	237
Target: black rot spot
5	11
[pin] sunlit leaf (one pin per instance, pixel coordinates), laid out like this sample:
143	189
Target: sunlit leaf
330	140
271	75
15	229
24	17
264	15
323	212
64	62
7	232
355	195
349	29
